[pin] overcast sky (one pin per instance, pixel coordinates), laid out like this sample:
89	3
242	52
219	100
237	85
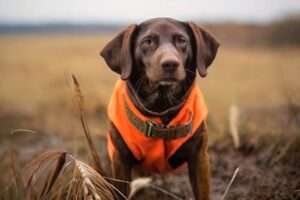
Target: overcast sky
39	11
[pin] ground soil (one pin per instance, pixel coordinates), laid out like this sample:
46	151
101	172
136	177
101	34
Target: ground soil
267	170
258	176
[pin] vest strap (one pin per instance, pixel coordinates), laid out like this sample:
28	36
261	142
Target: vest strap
151	129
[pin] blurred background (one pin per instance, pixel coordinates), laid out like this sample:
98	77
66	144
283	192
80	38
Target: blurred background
255	77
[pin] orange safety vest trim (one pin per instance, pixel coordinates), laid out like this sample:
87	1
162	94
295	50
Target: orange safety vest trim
153	153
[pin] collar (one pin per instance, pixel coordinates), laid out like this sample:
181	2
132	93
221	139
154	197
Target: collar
136	99
149	127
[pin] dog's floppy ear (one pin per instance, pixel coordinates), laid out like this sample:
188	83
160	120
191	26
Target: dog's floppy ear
206	48
117	53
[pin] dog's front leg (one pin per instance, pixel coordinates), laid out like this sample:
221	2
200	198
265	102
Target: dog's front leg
199	169
121	170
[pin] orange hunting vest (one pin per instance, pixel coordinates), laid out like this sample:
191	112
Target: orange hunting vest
153	153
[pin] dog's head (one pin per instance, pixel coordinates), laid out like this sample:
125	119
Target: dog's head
166	50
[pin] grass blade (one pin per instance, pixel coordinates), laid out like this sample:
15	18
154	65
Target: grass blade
92	148
230	183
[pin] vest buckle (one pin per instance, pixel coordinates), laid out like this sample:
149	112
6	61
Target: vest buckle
149	128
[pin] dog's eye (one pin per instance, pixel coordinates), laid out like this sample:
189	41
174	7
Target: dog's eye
148	41
180	40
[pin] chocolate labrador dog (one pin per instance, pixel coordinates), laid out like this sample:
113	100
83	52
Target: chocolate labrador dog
158	61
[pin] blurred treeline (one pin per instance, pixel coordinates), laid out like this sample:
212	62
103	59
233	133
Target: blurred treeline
282	32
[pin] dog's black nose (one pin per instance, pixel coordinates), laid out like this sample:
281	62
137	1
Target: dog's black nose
170	65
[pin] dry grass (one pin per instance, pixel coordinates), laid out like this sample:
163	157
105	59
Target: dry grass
36	88
57	175
35	75
36	71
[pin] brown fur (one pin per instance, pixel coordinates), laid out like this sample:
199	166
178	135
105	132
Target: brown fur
159	59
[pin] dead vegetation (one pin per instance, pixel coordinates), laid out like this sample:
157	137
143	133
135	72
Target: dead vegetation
266	147
55	175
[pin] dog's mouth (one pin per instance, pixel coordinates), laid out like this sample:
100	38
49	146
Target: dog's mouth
168	82
165	81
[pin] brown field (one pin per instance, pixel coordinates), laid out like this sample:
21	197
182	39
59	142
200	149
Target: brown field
36	91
